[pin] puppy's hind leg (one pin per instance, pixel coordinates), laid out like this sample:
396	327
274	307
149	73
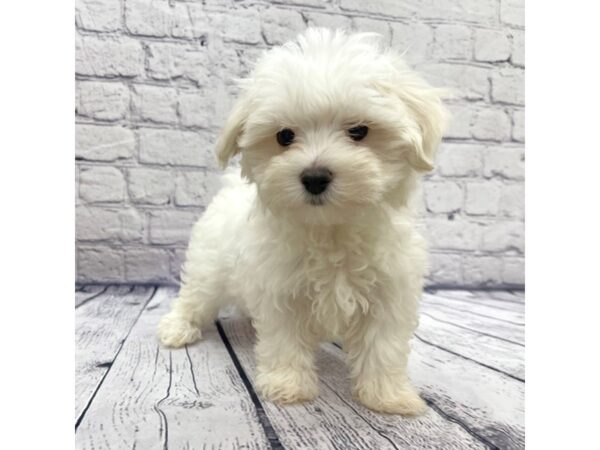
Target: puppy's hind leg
196	306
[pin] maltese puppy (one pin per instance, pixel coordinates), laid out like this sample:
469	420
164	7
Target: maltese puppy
315	240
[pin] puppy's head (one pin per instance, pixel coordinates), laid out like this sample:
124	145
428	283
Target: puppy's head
331	125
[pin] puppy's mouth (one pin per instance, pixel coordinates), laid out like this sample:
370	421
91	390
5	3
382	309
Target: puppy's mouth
315	200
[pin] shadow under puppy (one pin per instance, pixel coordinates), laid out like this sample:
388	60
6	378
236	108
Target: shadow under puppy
316	241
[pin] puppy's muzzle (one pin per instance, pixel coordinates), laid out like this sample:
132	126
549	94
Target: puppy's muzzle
316	179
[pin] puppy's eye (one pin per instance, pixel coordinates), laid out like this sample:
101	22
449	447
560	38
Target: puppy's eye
358	133
285	137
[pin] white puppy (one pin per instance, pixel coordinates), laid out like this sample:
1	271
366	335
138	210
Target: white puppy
319	243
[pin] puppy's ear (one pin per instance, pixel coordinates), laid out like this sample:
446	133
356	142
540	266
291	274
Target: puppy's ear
428	114
227	144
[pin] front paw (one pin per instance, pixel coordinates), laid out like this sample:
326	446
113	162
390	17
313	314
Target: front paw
390	396
175	331
287	385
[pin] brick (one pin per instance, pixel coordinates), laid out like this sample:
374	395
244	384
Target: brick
518	48
312	3
100	264
177	261
242	26
508	86
518	125
98	15
364	24
452	41
460	160
76	191
248	58
461	117
505	162
197	108
102	101
418	201
482	270
148	265
483	198
161	18
101	184
148	18
171	227
382	7
446	269
491	125
513	272
190	189
172	147
103	143
414	39
333	21
167	61
443	196
190	21
196	188
220	3
280	25
512	12
492	46
155	103
109	57
512	201
454	234
150	186
99	224
503	237
464	81
475	11
227	66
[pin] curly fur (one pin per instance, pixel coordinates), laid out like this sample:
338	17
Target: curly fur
349	268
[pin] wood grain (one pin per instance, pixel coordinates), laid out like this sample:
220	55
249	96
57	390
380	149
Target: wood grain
483	308
88	293
101	326
511	296
158	398
489	351
131	393
487	402
484	325
334	420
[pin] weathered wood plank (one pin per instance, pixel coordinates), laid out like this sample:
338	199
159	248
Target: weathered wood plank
487	402
87	293
486	326
333	420
100	327
482	297
482	309
496	353
511	300
158	398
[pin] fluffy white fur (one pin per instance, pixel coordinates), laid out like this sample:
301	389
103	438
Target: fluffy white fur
349	268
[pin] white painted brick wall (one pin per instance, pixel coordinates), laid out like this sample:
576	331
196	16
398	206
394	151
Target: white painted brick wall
155	83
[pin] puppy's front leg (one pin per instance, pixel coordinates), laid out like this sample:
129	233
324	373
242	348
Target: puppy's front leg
378	352
285	356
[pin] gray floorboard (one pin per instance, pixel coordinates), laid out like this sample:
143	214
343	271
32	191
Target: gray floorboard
467	361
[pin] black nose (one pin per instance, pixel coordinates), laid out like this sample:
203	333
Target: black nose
316	179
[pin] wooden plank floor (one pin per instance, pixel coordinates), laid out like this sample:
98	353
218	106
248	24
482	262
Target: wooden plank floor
467	361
